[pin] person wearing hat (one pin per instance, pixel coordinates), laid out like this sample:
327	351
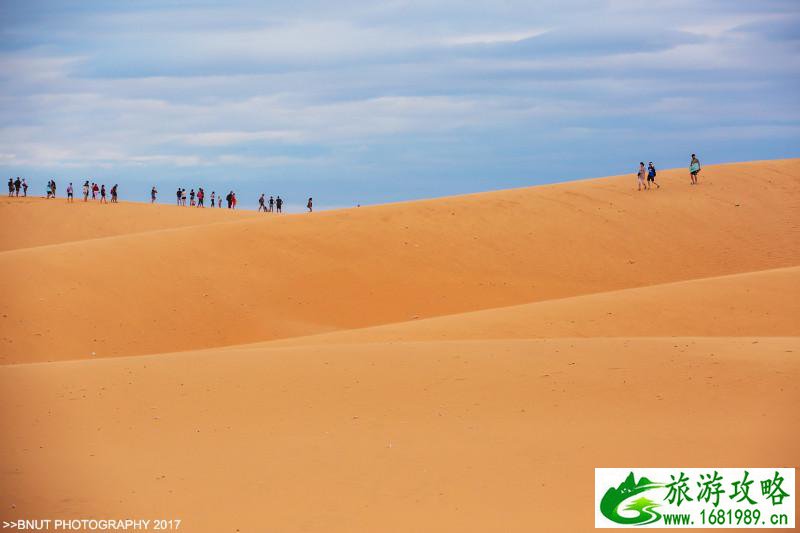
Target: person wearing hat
651	175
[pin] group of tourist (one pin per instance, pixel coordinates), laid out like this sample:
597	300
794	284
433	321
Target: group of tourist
271	205
192	198
198	198
95	190
15	185
646	175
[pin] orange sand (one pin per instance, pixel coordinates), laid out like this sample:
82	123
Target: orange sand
458	364
38	222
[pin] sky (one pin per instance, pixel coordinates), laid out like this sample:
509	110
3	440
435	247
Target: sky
372	102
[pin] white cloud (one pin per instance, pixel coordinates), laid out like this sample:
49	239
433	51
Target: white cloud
491	38
225	138
314	87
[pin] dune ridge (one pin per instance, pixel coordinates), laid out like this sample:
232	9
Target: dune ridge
458	364
266	278
739	305
40	222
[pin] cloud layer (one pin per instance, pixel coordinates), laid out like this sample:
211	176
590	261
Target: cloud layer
357	102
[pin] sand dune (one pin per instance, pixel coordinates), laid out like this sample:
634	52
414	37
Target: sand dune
268	278
429	436
39	222
751	304
460	364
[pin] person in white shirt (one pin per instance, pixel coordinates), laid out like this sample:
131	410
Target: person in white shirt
642	176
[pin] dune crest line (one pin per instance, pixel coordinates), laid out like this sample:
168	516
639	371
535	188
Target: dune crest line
252	280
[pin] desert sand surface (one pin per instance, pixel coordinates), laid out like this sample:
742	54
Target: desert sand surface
456	364
38	221
755	303
273	277
417	436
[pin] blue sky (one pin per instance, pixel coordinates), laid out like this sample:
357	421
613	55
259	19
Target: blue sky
368	102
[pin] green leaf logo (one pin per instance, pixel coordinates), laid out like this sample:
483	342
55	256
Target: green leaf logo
645	508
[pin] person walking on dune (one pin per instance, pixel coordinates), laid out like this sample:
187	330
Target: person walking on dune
10	187
201	195
228	198
153	193
278	204
191	198
213	196
53	188
103	194
651	176
261	203
86	191
114	194
310	205
642	176
24	188
17	186
694	169
233	200
183	197
271	203
95	190
70	197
